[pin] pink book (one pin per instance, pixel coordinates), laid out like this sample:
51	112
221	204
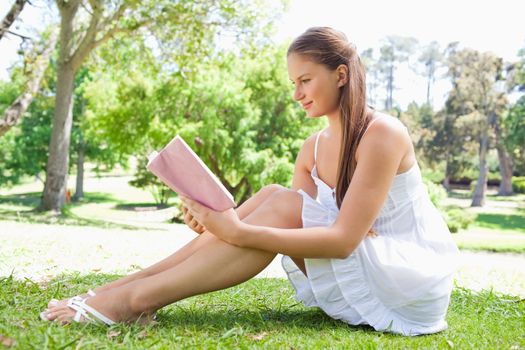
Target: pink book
185	173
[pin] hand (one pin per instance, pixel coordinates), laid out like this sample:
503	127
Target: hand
191	222
372	233
224	225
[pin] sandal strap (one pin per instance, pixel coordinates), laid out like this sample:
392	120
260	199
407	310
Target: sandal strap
73	304
82	310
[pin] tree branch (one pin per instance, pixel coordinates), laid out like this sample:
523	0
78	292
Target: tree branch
17	109
85	45
23	37
11	17
116	30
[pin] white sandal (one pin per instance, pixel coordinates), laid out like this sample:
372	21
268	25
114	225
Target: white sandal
90	293
82	309
78	304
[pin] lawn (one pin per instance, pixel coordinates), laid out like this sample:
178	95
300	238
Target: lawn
261	313
499	226
110	202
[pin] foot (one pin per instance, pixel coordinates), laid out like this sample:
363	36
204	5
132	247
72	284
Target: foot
63	313
55	302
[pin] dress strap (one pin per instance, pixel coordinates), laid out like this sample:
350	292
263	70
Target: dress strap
315	147
370	124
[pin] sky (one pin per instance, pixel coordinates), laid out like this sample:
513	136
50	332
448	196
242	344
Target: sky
481	25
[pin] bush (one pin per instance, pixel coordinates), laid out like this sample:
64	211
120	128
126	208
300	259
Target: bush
436	192
518	184
458	218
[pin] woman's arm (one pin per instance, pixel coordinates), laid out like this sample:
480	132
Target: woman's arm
380	155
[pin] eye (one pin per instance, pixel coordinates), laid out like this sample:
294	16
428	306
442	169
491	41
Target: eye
304	81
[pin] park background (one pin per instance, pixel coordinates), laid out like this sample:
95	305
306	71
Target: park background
77	204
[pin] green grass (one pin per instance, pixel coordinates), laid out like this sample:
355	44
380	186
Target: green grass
22	207
502	222
495	232
261	313
488	245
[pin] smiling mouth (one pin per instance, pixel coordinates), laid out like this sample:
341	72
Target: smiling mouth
307	105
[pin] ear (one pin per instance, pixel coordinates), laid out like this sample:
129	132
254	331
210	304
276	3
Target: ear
342	75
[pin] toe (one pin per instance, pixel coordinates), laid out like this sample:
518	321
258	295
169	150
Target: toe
64	318
43	316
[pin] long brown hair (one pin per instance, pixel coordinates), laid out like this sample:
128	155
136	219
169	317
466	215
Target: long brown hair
331	48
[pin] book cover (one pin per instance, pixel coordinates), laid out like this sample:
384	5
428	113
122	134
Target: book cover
181	169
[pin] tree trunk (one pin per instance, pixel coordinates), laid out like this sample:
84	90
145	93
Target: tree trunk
429	82
57	168
478	198
11	16
446	180
79	191
505	164
58	161
16	111
390	88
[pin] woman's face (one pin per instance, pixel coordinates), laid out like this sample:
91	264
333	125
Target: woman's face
316	86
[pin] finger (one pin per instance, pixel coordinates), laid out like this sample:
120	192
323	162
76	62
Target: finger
184	209
188	218
191	204
194	223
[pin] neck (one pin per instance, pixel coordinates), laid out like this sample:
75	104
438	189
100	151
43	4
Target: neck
334	126
334	122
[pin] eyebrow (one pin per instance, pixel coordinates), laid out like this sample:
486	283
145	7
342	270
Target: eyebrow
299	78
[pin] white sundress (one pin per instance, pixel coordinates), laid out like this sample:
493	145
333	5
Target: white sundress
399	281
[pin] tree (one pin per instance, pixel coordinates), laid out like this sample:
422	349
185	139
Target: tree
474	87
514	122
395	50
11	16
36	62
189	25
515	137
24	148
430	58
372	75
14	113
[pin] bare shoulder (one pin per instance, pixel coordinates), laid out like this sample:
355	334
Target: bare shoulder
305	157
389	122
387	133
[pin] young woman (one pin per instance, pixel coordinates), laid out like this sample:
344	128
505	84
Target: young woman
356	177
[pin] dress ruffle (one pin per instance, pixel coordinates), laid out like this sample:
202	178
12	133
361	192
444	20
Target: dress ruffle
341	288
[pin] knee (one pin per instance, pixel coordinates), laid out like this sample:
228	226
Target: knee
285	201
283	195
272	188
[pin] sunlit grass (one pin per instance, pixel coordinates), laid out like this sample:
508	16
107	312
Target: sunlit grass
502	222
259	314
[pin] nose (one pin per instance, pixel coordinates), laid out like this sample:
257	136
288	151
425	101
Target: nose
298	94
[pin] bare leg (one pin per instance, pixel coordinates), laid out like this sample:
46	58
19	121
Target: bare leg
180	255
216	265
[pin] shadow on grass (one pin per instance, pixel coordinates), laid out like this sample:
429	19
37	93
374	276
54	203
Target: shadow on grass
515	222
34	216
29	199
144	206
459	194
24	207
223	311
516	197
33	199
264	319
